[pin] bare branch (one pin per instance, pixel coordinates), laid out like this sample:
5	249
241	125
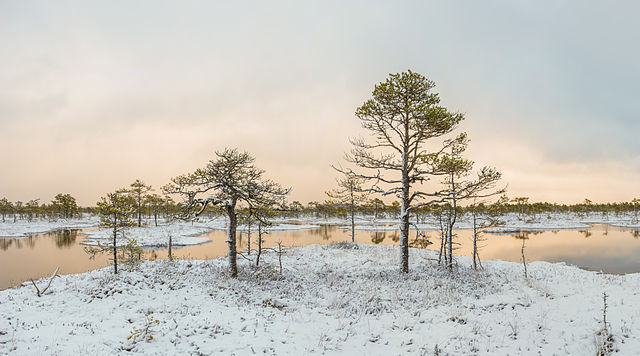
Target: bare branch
55	273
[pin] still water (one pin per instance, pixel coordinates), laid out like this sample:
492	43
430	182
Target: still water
599	248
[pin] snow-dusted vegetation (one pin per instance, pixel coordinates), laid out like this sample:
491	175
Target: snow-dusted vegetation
332	299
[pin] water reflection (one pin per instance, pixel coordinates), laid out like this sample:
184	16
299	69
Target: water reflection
602	247
377	237
65	238
29	241
325	231
6	243
38	256
525	235
587	233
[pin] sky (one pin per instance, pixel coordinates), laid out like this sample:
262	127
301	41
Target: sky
94	95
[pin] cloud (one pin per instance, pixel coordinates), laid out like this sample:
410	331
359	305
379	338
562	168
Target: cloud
152	89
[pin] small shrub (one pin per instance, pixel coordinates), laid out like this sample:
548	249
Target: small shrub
604	340
146	332
344	245
132	255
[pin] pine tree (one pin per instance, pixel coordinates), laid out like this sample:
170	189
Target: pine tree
65	205
402	117
138	191
229	180
116	211
458	185
349	193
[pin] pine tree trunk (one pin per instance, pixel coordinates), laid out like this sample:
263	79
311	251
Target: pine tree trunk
441	240
259	243
249	238
139	212
524	261
353	223
404	219
452	220
115	249
475	241
233	224
450	241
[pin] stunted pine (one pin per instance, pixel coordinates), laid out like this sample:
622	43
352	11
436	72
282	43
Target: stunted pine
64	205
460	185
402	116
139	191
227	181
349	193
5	207
155	203
116	211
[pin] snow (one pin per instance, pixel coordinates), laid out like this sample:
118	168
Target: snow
373	228
334	220
330	299
627	225
182	234
23	228
278	227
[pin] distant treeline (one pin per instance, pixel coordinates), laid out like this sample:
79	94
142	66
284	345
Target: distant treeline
62	206
153	205
521	206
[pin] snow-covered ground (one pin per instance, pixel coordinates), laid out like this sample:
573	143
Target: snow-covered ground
23	228
330	299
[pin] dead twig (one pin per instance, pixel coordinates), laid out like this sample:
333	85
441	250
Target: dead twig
48	284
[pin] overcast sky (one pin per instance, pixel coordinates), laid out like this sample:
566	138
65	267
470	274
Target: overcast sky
93	96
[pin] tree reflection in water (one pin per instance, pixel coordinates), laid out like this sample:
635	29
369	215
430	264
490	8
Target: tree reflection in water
6	243
586	233
325	231
377	237
30	241
65	238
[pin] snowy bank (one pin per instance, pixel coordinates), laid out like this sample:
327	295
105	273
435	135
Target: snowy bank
372	228
511	223
278	227
627	225
182	234
23	228
331	299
